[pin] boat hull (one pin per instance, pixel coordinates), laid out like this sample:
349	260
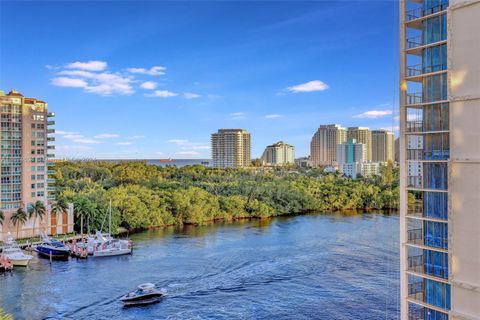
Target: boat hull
141	302
108	253
20	262
54	253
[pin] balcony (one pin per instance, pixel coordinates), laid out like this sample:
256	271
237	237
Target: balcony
50	180
51	139
418	13
414	182
50	172
50	114
418	71
413	42
414	126
414	98
419	264
51	123
50	130
51	147
50	155
415	236
417	312
416	208
416	291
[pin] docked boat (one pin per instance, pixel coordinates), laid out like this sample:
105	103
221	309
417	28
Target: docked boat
146	293
113	247
12	252
104	245
52	248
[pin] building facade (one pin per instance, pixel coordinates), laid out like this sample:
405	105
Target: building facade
26	175
279	154
362	135
231	148
440	159
351	151
383	146
323	147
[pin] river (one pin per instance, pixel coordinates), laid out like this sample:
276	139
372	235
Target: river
327	266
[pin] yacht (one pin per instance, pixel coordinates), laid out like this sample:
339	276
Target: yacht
12	251
52	248
146	293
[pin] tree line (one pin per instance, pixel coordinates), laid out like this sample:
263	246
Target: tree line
145	195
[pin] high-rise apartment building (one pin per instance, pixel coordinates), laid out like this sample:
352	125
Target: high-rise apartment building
26	151
231	148
440	159
383	146
362	135
351	151
323	147
279	154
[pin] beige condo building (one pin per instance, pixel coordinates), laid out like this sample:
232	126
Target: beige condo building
279	154
26	167
383	146
231	148
323	147
440	159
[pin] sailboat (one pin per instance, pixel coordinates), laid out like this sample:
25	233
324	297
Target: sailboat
110	246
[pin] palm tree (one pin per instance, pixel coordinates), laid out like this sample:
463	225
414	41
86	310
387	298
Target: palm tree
19	218
83	208
2	217
60	207
38	210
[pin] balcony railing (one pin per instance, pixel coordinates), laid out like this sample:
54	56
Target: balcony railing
416	291
419	69
419	12
414	126
415	264
51	123
414	42
50	130
414	182
51	114
414	98
415	236
50	172
51	147
51	139
416	208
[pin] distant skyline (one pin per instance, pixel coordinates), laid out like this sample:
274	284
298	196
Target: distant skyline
154	79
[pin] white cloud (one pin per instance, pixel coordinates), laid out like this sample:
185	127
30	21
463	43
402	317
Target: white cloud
109	83
149	85
191	95
87	141
61	133
136	137
72	136
72	147
272	116
205	147
179	142
94	65
69	82
162	94
106	136
153	71
124	143
188	153
237	115
374	114
315	85
77	73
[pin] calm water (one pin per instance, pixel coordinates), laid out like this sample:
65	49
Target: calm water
318	266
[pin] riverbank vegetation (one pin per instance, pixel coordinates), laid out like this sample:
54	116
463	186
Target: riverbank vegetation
145	195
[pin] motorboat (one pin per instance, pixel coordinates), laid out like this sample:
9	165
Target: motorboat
146	293
12	252
52	248
95	241
113	247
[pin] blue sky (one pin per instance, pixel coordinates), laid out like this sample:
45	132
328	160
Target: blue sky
133	79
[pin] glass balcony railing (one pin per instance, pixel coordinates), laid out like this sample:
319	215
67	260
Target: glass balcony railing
51	147
415	236
50	130
51	114
414	126
419	69
414	182
51	123
51	139
416	291
418	13
414	42
426	266
414	98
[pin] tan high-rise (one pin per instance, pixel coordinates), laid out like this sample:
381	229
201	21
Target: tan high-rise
440	159
362	135
383	146
231	148
279	154
323	147
25	152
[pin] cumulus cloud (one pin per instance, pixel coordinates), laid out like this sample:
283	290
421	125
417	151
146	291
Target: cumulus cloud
162	94
69	82
153	71
374	114
124	143
315	85
106	136
272	116
191	95
149	85
93	65
61	132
